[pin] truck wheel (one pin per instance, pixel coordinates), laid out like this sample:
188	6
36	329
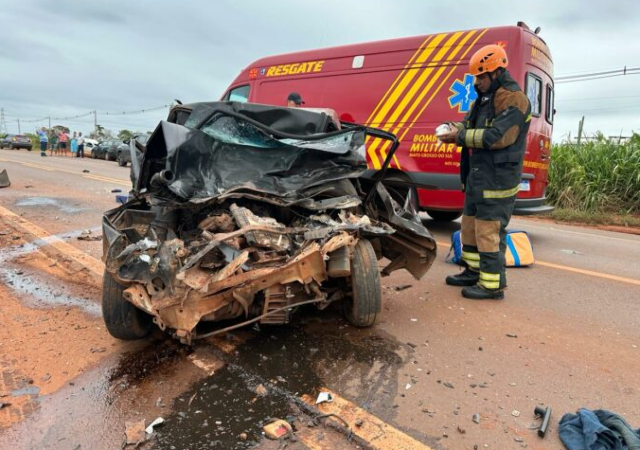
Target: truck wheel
444	216
362	309
122	319
121	160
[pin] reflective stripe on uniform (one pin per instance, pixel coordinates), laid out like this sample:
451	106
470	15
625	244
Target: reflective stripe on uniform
489	284
502	193
472	259
489	276
489	280
528	119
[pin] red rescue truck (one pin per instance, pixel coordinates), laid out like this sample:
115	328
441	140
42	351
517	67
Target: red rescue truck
409	86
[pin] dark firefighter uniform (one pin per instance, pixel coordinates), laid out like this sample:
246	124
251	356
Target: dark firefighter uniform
493	139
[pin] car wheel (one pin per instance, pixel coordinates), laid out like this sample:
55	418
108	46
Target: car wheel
121	160
444	216
362	309
93	155
11	147
122	319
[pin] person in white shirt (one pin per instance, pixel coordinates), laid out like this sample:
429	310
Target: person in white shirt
80	141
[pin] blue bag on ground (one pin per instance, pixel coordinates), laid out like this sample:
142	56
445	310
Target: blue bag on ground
519	249
597	430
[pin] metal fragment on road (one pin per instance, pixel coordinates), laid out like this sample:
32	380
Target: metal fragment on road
476	418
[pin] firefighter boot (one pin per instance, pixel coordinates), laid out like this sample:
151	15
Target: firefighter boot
466	278
478	292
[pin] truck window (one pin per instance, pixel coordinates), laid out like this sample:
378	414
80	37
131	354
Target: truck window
534	92
550	100
239	94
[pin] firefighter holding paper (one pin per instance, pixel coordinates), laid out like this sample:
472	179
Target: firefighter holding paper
493	139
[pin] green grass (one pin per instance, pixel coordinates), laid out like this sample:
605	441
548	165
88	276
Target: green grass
597	179
595	218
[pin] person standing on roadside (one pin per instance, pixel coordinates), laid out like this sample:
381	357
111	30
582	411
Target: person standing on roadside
44	140
493	138
74	145
53	143
64	138
80	145
294	100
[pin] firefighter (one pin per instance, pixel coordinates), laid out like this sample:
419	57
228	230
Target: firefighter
493	138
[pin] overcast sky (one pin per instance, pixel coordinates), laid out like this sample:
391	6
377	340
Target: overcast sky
67	57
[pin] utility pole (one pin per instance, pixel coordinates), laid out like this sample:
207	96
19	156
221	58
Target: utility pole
49	122
95	122
580	125
19	132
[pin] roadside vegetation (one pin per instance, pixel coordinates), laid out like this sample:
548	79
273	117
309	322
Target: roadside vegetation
597	182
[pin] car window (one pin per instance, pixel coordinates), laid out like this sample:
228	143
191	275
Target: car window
239	94
534	92
550	101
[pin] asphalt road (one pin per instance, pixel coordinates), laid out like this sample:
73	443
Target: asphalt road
567	336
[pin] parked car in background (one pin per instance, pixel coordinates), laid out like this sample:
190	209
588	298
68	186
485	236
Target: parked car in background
123	154
89	145
105	149
14	141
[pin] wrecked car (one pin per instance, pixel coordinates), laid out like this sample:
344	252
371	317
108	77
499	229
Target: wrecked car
242	213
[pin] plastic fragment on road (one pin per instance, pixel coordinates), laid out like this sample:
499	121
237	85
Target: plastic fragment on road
324	397
155	423
278	429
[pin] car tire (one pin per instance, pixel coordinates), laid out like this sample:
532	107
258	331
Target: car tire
123	320
121	160
93	155
444	216
362	309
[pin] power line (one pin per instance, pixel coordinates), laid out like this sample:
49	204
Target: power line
559	100
598	75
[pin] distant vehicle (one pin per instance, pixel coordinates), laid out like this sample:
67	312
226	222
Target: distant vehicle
105	149
123	154
14	141
89	145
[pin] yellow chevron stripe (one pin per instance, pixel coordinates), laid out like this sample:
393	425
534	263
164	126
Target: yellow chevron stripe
397	80
430	80
403	79
448	76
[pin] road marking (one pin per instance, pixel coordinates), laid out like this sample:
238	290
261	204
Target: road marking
108	180
581	233
586	272
374	431
35	166
93	265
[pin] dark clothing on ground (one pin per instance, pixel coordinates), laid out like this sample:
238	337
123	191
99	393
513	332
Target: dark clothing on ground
597	430
493	137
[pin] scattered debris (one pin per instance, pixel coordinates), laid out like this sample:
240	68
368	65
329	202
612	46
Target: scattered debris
243	437
277	429
407	386
135	432
402	287
152	425
414	320
115	191
324	397
448	384
261	390
359	423
4	232
4	179
98	349
461	430
545	414
518	439
45	378
4	405
85	171
515	413
511	335
476	418
28	186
